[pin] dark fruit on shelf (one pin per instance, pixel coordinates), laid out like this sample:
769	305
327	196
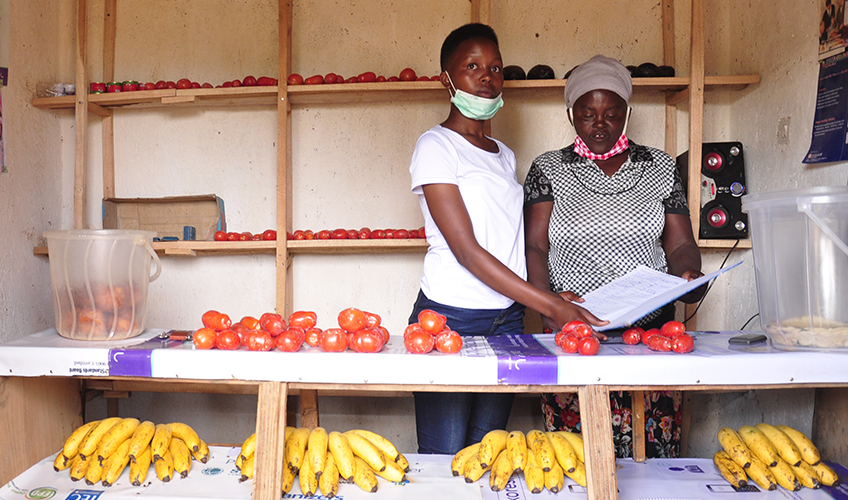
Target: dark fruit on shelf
514	73
540	72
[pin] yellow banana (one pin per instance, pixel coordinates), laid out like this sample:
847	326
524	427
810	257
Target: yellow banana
759	445
491	446
534	476
164	466
402	462
809	452
296	448
364	476
187	434
115	437
761	474
541	446
94	473
316	450
473	469
141	438
288	432
785	476
78	467
328	483
576	442
386	446
201	455
565	454
140	466
181	456
160	442
458	461
366	450
579	474
248	447
730	470
784	446
118	461
342	455
501	471
827	475
248	467
554	478
393	472
807	476
735	448
60	463
288	480
72	444
308	479
88	446
516	447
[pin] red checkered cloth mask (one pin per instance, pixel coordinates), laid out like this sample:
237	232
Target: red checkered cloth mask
621	145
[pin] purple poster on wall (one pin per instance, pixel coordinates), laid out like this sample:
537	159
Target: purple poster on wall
830	133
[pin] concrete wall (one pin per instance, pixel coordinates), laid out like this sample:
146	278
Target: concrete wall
350	161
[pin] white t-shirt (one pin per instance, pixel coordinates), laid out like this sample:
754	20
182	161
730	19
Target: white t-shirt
495	202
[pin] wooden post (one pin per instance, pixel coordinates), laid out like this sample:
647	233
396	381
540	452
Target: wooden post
270	440
668	60
637	414
284	164
81	119
108	122
309	409
596	418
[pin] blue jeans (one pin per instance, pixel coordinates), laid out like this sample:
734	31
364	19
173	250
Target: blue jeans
447	422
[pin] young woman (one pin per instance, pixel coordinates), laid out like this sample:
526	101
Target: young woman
474	270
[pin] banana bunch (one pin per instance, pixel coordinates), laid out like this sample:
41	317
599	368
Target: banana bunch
544	457
99	451
771	456
321	459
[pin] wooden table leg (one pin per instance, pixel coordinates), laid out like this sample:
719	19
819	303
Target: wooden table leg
637	412
596	423
270	442
309	409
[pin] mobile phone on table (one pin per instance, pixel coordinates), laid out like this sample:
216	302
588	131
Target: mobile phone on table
747	339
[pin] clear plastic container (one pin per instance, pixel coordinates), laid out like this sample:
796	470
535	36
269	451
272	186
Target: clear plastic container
800	243
100	279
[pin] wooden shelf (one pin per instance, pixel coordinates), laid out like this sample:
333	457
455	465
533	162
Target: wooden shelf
724	244
358	93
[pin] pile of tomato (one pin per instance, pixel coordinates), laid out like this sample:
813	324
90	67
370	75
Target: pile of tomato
671	336
577	337
431	331
267	235
406	75
354	234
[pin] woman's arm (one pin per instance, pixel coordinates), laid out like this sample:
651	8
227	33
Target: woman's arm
450	215
682	253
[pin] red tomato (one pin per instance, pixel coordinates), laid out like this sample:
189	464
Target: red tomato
308	235
242	331
149	86
570	343
683	343
390	234
381	79
435	78
269	235
414	327
258	340
204	338
195	85
272	323
364	233
431	321
421	232
659	343
266	81
648	334
295	79
300	332
385	334
401	234
331	78
220	236
215	320
582	331
419	342
632	336
313	335
289	341
367	340
232	236
333	340
206	85
352	234
339	234
673	329
448	342
170	85
352	319
392	79
161	84
298	235
558	338
236	83
303	319
413	234
378	234
183	83
256	237
250	322
588	346
423	79
372	320
352	79
407	75
249	81
324	234
367	77
227	340
571	325
227	84
314	80
245	236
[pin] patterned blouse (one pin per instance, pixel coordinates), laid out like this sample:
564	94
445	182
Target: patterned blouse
602	227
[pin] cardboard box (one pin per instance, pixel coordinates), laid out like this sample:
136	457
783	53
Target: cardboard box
167	216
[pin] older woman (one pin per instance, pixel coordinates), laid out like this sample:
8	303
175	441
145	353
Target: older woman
597	209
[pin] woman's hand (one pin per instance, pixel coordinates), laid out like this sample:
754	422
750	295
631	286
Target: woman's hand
567	309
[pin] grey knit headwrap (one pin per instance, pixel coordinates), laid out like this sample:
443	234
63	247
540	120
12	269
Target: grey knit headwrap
598	73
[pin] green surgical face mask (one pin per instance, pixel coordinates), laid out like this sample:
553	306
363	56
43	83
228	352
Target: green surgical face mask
475	107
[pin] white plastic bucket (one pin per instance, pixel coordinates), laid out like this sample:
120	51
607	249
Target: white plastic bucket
100	280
